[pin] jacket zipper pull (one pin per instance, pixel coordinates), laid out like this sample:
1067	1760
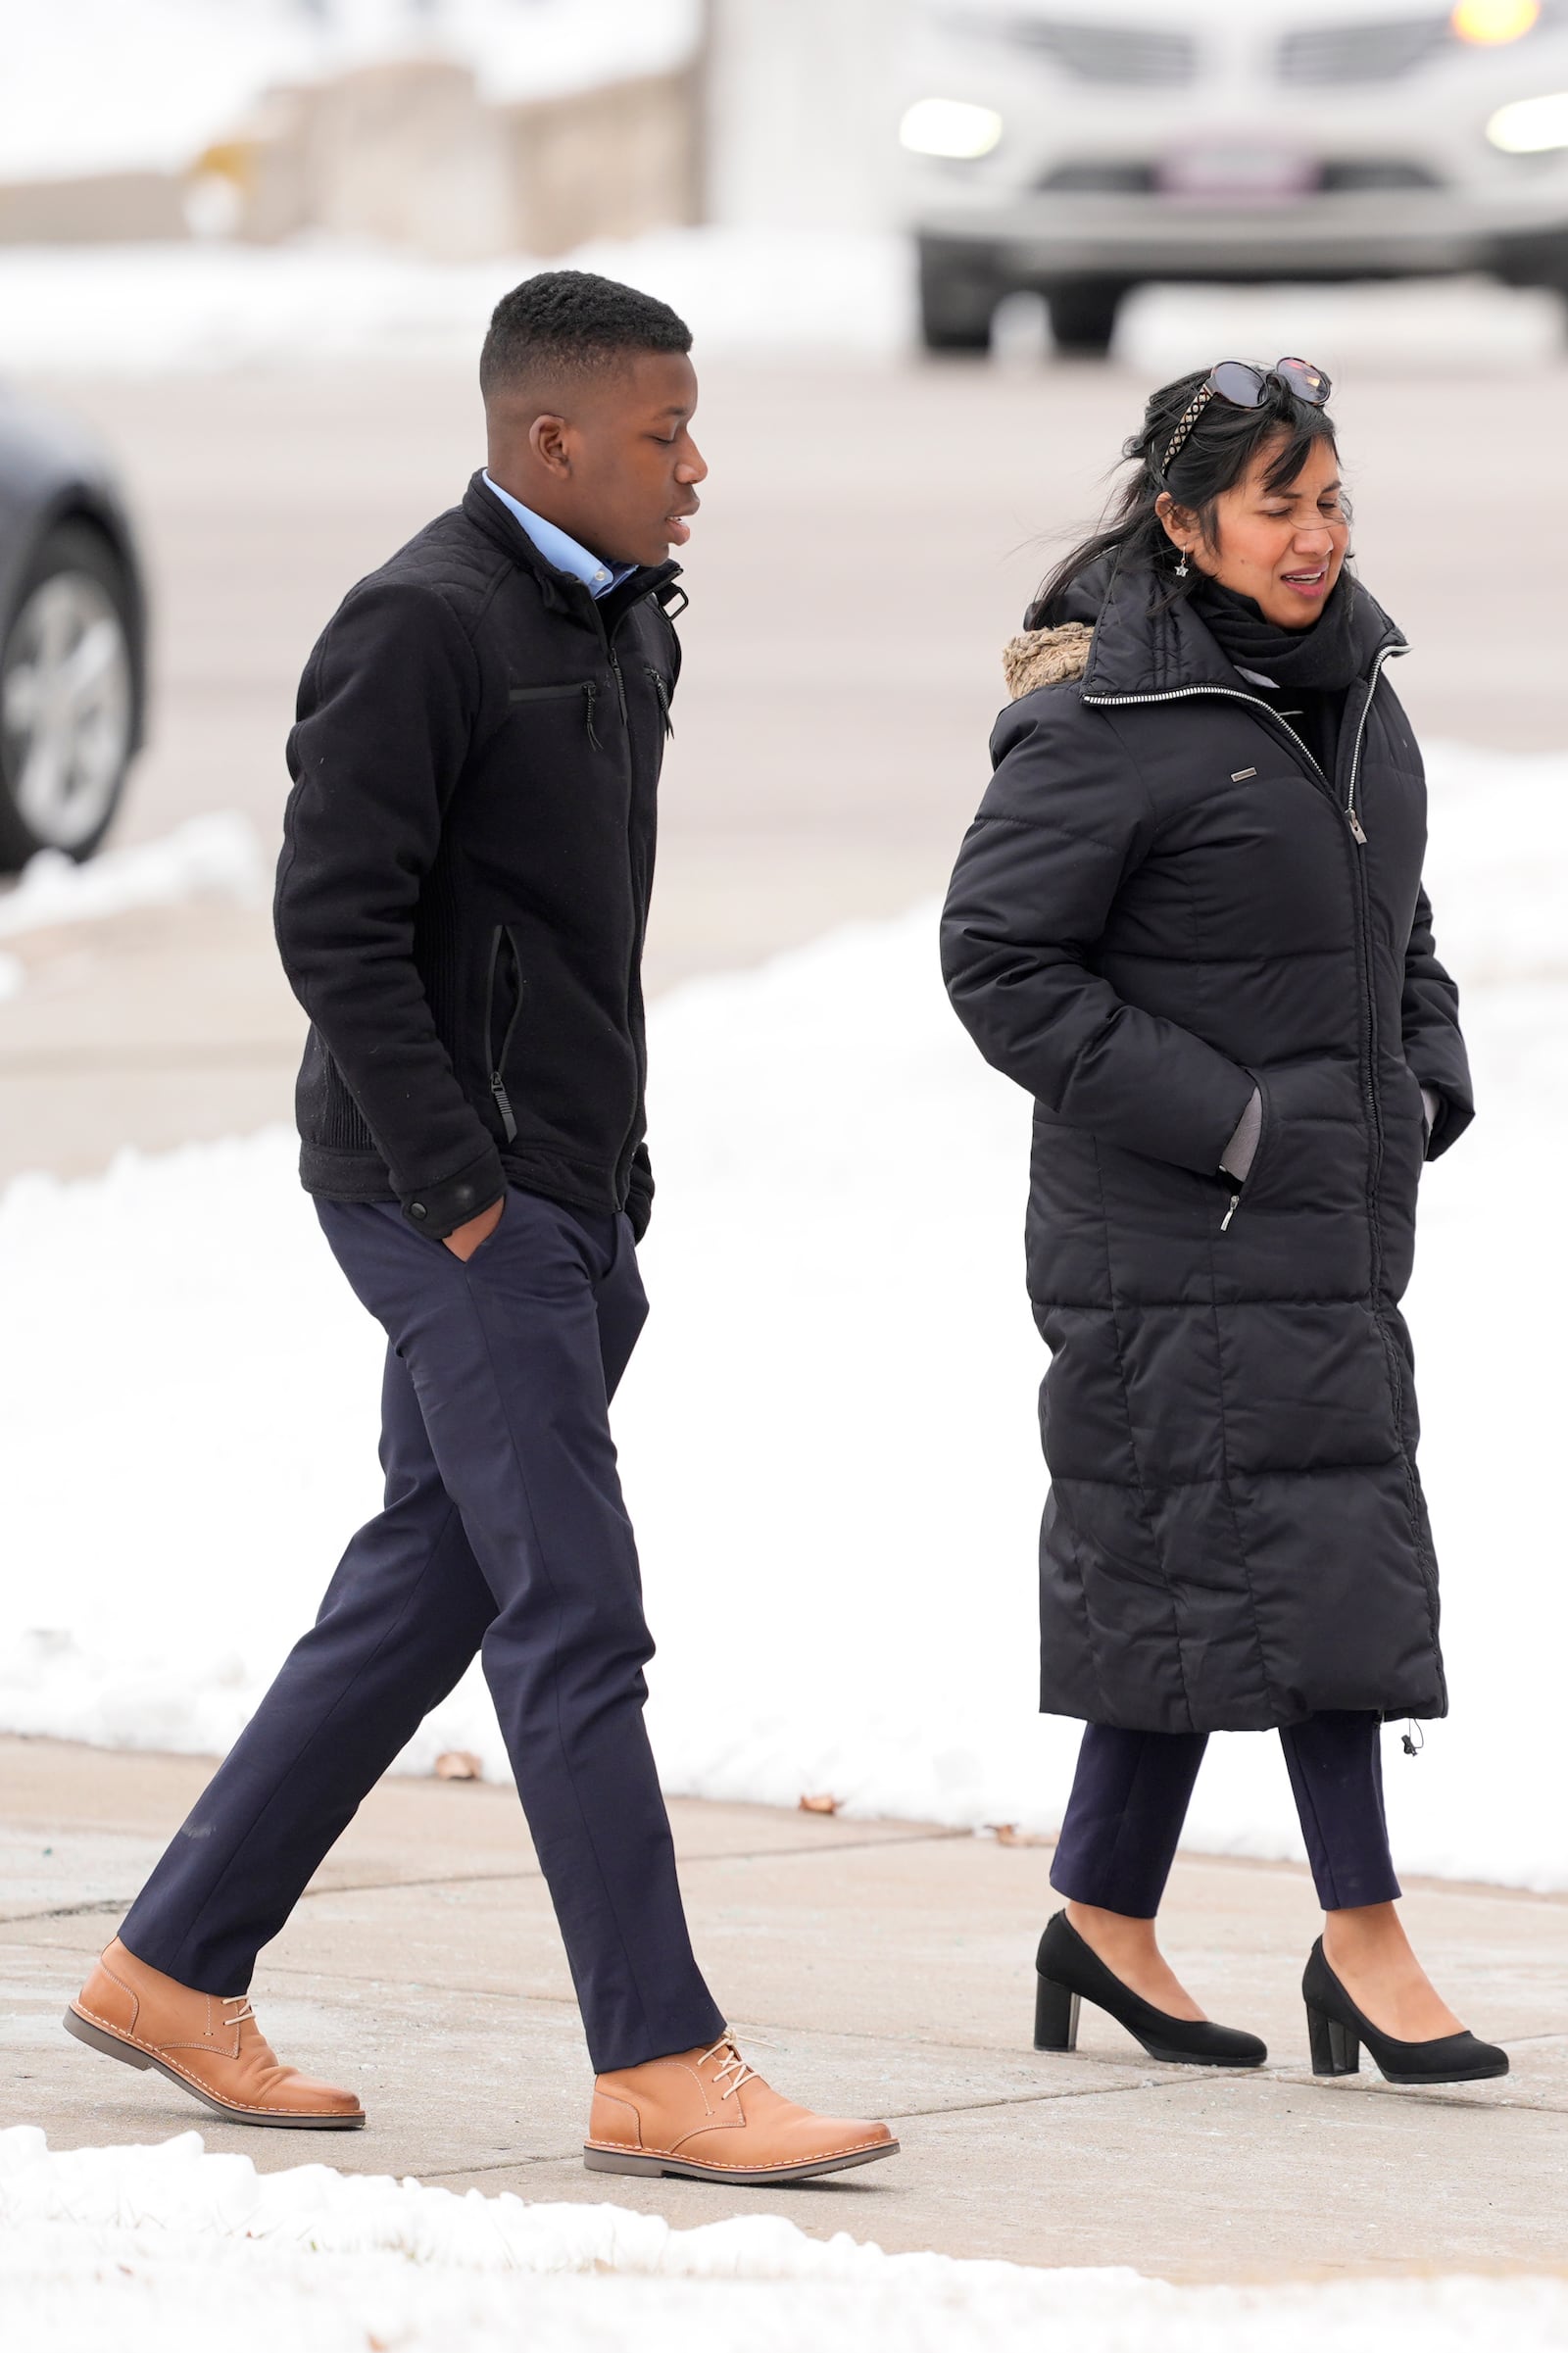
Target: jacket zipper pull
498	1088
1357	834
620	684
662	694
590	691
1236	1202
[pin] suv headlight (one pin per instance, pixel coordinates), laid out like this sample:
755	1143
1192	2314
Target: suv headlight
1492	24
1530	126
950	127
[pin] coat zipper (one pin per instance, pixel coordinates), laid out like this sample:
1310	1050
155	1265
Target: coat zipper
661	690
497	1061
624	1157
1357	835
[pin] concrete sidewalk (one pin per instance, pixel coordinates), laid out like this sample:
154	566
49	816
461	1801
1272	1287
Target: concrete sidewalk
871	1966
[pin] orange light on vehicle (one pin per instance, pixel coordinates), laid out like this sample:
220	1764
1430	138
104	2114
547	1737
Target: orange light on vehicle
1489	24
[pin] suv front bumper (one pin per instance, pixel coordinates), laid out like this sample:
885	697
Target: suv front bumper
1375	233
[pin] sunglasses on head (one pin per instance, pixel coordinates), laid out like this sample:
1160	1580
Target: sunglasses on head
1245	387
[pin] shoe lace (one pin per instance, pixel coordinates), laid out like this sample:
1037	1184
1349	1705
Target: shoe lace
240	2006
733	2066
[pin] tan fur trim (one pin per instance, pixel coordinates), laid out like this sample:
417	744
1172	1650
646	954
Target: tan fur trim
1046	656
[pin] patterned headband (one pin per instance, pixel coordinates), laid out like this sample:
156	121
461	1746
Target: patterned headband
1190	416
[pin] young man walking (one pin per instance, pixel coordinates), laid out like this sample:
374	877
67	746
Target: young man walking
461	898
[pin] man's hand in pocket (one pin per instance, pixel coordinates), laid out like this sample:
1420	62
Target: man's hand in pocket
465	1240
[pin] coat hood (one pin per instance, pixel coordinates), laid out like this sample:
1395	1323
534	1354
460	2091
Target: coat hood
1110	629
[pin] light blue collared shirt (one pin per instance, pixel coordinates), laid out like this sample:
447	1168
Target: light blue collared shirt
558	548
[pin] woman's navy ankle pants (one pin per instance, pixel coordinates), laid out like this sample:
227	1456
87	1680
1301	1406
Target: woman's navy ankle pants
1132	1789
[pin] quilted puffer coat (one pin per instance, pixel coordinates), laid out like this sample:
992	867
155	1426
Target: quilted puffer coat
1165	903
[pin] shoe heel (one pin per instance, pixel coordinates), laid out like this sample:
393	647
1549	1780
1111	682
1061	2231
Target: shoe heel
619	2161
97	2041
1336	2048
1055	2016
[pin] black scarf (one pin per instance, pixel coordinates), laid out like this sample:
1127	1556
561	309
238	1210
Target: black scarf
1310	671
1320	660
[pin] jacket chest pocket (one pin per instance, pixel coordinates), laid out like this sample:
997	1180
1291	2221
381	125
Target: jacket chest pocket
582	690
504	992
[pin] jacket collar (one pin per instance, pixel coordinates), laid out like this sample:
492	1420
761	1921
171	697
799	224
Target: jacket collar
1141	651
561	591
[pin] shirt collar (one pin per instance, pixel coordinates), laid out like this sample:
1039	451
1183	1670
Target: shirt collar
558	548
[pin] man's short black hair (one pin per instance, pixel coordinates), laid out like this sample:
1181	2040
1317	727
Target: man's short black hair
568	321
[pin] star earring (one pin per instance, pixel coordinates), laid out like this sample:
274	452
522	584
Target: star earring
1181	569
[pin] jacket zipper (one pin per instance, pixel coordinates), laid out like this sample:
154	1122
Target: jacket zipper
626	1156
497	1061
607	636
550	693
661	690
1357	835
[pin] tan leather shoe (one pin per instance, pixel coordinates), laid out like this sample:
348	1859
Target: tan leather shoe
211	2048
706	2114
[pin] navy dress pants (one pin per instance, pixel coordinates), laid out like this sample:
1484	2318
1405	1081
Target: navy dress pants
1132	1789
502	1533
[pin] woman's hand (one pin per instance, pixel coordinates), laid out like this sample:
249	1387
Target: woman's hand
465	1240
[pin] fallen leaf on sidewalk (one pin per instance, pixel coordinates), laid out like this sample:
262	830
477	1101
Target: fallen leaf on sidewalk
820	1805
1007	1833
458	1764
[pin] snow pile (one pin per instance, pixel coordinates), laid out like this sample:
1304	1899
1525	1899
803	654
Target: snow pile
828	1433
216	857
167	77
152	309
156	2250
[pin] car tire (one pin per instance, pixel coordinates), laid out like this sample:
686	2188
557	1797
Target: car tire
68	698
1083	314
956	304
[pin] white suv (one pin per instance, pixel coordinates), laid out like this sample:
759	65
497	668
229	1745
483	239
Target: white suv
1076	147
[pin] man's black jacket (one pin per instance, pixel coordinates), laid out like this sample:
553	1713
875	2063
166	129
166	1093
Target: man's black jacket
463	894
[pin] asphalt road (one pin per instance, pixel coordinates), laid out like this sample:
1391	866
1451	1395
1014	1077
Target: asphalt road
868	538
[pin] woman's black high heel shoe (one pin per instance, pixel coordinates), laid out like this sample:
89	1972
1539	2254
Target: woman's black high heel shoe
1336	2029
1070	1971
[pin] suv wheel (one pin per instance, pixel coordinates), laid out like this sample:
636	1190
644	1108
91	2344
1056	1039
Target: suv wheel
67	700
1083	314
957	306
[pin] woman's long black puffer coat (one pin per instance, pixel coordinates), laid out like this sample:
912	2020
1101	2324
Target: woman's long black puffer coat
1162	903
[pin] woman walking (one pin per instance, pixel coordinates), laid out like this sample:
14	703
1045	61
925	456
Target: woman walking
1189	919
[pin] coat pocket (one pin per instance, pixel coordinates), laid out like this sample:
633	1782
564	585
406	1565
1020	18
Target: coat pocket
503	979
1312	1144
585	687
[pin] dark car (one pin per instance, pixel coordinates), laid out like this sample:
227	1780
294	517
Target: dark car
73	637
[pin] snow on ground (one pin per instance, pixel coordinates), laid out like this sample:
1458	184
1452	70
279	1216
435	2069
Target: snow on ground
107	85
828	1433
151	310
161	2249
219	855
